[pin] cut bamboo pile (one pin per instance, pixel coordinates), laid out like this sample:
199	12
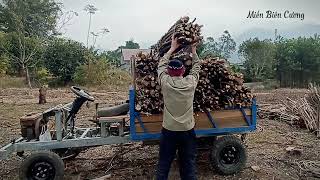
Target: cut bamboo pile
304	112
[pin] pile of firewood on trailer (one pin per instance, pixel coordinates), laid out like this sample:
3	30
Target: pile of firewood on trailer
303	112
217	88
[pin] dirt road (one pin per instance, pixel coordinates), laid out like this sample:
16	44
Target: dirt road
266	148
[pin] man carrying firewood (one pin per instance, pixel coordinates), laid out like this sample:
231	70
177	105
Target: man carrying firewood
178	122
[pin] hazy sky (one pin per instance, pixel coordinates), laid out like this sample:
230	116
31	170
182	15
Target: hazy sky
147	20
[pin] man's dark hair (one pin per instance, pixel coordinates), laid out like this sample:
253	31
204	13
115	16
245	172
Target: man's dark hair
175	68
175	64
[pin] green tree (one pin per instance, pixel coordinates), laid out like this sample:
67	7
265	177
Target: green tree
27	25
208	48
226	45
237	68
4	59
259	59
115	56
24	52
131	45
223	47
4	64
62	57
298	61
32	18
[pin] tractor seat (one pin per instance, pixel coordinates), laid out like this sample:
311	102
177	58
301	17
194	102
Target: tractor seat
118	110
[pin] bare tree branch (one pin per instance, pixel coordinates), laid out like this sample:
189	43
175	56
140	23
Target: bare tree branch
65	19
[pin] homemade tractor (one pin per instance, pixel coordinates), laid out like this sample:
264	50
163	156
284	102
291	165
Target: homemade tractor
51	136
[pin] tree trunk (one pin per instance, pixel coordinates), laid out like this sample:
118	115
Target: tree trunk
28	78
26	75
42	95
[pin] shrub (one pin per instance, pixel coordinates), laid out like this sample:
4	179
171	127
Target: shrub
4	64
42	76
62	57
101	73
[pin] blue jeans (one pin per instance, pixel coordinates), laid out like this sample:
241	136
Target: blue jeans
185	143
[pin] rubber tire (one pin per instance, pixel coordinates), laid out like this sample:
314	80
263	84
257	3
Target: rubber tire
121	109
218	146
47	156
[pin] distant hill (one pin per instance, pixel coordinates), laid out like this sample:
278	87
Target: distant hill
292	32
303	30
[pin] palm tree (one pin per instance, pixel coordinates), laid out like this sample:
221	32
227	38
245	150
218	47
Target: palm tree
91	10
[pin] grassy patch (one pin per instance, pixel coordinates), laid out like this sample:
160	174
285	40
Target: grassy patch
12	82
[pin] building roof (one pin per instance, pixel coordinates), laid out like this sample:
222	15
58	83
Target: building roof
128	53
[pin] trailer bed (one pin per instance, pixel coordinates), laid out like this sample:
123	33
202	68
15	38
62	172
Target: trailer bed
222	119
238	120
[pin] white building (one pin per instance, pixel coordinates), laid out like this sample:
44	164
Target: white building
128	54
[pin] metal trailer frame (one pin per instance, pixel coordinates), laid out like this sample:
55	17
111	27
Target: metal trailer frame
85	137
88	137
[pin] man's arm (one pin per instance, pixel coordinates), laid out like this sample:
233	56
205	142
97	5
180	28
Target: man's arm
162	66
163	63
195	64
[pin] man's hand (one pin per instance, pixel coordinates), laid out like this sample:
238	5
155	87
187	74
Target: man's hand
174	44
194	48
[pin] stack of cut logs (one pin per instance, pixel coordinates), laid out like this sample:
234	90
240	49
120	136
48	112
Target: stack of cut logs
148	91
218	86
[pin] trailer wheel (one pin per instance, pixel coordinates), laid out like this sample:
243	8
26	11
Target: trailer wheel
44	165
228	155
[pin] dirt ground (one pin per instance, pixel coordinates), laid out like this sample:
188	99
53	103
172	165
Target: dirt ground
266	148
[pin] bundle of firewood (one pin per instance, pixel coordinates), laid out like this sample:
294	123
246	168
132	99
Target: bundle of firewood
187	33
218	86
